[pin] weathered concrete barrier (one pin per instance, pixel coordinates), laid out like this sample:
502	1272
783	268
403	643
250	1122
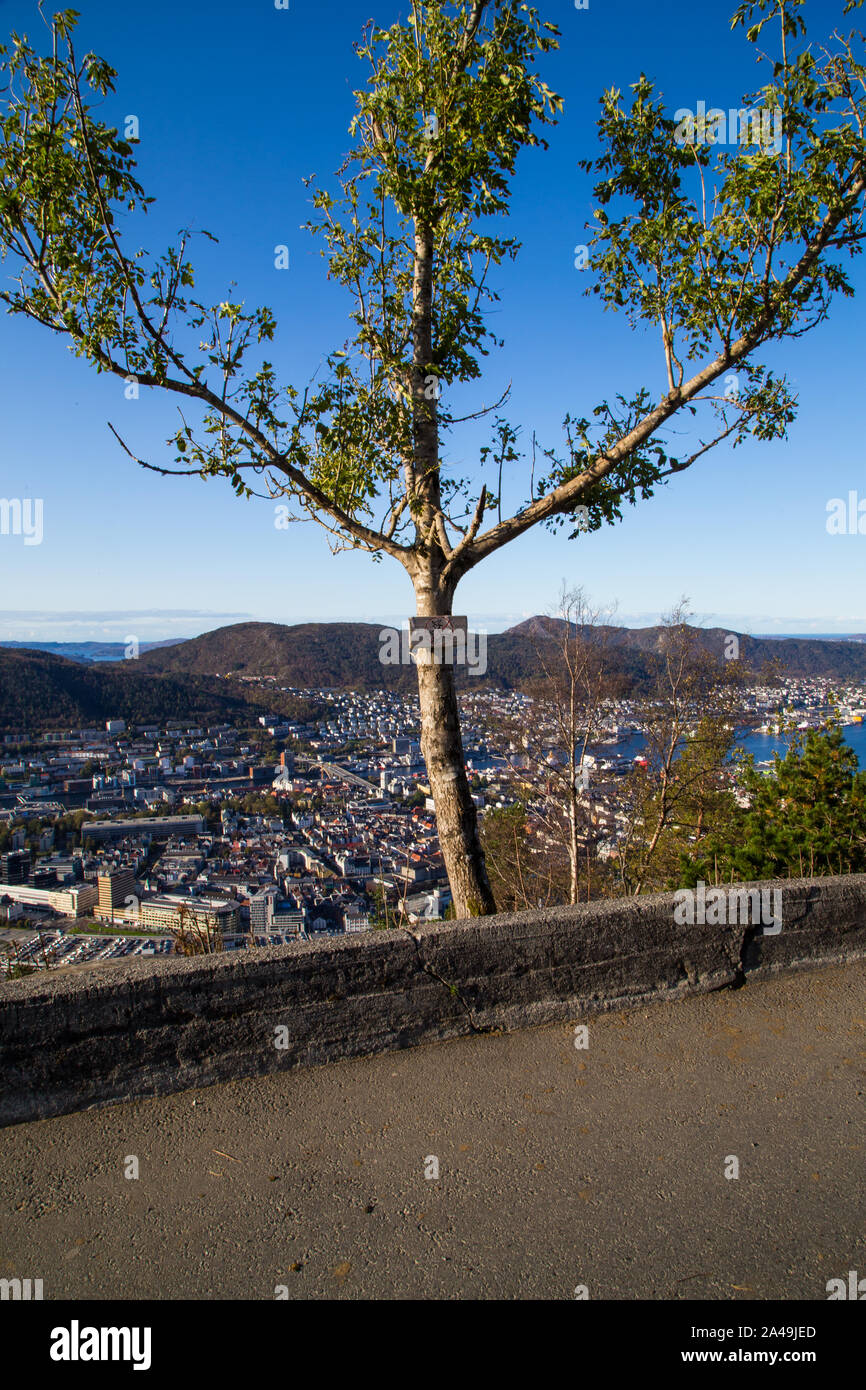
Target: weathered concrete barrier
69	1041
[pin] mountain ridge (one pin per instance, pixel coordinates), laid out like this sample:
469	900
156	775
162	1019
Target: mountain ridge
39	690
203	677
333	655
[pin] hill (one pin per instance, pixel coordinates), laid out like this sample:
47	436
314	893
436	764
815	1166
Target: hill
187	680
341	656
39	690
791	656
346	655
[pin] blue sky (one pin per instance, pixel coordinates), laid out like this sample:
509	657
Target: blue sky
237	102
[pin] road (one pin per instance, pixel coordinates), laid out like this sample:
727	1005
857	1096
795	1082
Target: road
342	774
558	1167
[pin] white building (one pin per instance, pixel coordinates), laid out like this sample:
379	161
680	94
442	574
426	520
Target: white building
71	902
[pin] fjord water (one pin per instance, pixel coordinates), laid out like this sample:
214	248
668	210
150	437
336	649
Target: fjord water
761	746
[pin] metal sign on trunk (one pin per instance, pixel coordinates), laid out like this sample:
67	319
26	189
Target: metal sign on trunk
440	640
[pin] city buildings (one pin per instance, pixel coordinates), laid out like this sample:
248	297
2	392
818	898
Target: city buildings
263	836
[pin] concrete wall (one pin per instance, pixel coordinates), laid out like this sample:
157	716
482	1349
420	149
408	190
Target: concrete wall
109	1033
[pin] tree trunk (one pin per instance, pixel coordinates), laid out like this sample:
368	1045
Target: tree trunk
442	747
456	818
573	847
441	740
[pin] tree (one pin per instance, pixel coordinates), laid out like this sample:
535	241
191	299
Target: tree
12	966
381	916
806	817
452	97
197	933
689	724
523	873
703	809
568	699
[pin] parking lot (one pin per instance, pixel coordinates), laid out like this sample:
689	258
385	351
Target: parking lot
63	947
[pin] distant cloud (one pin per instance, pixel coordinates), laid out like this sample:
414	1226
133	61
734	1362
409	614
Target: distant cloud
757	623
158	624
148	625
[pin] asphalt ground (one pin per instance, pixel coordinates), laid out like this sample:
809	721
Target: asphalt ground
560	1168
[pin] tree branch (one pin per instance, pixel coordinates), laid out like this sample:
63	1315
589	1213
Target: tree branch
566	495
